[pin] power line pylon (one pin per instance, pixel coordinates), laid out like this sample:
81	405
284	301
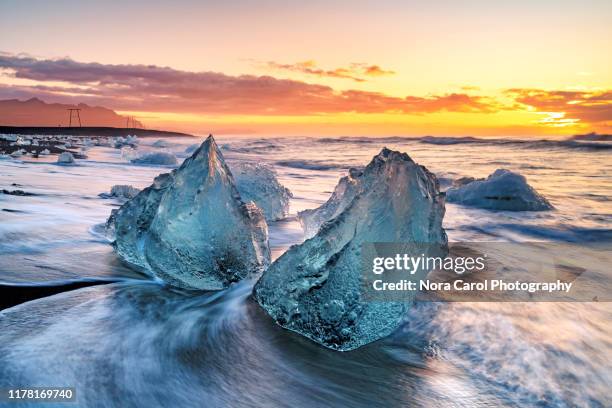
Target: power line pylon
77	110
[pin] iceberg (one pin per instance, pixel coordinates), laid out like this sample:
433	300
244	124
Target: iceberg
502	190
343	195
314	288
190	228
258	183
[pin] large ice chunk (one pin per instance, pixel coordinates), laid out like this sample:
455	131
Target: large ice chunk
190	227
343	195
314	288
502	190
258	183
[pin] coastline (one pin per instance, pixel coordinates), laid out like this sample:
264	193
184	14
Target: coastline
98	131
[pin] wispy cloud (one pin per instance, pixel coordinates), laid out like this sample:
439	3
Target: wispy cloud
567	107
357	72
164	89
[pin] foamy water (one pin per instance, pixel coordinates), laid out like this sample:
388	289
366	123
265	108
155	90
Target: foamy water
136	342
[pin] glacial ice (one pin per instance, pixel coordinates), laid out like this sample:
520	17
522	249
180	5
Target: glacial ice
190	227
258	183
314	288
158	158
65	158
502	190
343	195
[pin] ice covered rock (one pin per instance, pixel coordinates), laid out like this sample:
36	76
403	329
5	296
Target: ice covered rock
45	152
158	158
17	153
343	195
315	289
190	227
65	158
121	192
160	143
502	190
258	183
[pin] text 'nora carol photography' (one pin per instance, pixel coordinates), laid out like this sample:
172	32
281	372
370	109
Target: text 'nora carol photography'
494	271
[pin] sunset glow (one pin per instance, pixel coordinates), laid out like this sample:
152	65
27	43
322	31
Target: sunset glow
455	68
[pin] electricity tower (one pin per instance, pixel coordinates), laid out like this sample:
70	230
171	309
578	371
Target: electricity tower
78	116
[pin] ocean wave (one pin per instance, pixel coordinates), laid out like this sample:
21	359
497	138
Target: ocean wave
562	233
594	137
537	144
449	140
310	165
364	139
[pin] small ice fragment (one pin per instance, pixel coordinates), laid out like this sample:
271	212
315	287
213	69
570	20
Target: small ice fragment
258	183
65	158
502	190
121	192
157	158
160	143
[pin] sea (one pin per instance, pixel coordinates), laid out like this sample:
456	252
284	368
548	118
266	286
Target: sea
131	341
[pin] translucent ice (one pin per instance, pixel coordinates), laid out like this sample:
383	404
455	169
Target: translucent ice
314	288
258	183
502	190
190	227
343	195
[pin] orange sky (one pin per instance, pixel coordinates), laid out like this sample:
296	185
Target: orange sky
326	67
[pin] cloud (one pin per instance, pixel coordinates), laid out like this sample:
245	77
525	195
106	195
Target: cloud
310	68
593	107
164	89
355	72
371	70
470	88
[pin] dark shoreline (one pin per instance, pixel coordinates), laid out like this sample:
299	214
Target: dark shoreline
88	131
15	294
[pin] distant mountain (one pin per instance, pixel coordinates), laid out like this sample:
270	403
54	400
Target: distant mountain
35	112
